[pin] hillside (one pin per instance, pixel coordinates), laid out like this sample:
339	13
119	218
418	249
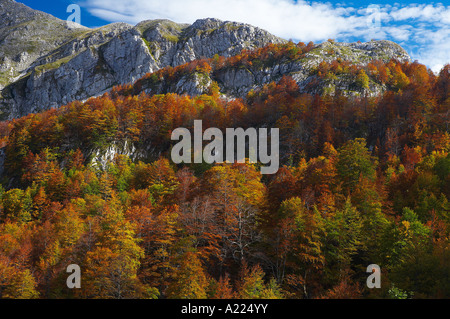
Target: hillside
89	178
70	62
363	180
329	68
26	35
74	63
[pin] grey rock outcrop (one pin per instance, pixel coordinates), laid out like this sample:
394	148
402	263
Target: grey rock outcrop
26	35
46	62
82	62
239	80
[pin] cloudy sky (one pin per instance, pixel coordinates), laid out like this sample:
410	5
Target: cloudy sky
423	29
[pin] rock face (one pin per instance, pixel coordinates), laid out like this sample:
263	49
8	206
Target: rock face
239	80
46	62
26	35
71	62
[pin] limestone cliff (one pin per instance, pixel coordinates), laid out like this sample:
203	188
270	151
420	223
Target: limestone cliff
46	62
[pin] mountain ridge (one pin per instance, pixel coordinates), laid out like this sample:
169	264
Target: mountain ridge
88	62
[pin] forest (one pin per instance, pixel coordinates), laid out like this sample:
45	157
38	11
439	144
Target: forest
363	180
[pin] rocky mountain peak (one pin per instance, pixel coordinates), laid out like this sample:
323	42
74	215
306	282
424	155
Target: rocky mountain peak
45	63
205	24
13	13
26	35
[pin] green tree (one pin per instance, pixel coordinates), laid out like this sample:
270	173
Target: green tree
344	237
354	160
22	286
252	286
16	205
362	80
307	252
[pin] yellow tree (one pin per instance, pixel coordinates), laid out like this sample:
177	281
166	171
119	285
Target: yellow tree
189	280
237	196
112	266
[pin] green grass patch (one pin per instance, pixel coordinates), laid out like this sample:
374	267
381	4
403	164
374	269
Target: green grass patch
54	65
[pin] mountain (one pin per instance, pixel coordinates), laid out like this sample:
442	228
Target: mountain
325	68
27	35
359	140
47	62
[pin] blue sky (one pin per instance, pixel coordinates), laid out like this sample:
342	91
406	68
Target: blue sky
422	28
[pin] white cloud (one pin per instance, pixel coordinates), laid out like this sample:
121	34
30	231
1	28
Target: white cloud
422	12
435	51
423	29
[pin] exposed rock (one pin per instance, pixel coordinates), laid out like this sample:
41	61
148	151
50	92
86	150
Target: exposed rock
101	157
84	63
26	35
239	80
46	62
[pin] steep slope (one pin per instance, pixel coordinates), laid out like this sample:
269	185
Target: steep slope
323	69
85	62
26	35
46	62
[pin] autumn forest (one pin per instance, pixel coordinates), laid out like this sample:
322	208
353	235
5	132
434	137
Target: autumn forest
363	180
